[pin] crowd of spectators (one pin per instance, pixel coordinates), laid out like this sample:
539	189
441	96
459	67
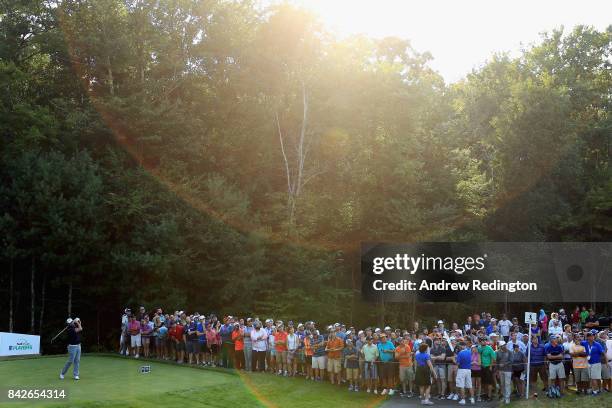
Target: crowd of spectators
481	359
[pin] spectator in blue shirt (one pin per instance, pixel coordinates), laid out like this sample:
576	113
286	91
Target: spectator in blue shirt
536	364
595	352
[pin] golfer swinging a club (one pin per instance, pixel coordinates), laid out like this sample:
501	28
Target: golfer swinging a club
74	347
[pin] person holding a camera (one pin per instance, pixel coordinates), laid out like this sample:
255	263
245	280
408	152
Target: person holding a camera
74	348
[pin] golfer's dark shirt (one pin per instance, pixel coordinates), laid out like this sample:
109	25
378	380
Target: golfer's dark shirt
74	337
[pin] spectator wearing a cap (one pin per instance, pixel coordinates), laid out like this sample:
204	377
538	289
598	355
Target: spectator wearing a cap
556	371
595	356
370	354
504	364
438	358
319	360
386	351
350	355
403	355
334	348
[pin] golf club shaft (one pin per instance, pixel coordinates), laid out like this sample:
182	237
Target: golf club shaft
57	335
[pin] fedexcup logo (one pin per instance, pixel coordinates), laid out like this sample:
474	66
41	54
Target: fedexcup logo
20	345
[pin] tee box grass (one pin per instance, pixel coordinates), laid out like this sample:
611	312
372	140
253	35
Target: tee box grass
108	381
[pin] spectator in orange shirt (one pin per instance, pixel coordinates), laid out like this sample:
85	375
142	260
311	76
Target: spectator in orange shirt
404	355
280	344
238	339
334	348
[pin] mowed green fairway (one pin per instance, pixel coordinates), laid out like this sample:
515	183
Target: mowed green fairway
108	381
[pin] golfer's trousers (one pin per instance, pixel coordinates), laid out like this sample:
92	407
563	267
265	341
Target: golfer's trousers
74	358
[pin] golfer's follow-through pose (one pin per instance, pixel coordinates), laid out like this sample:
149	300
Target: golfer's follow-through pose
74	347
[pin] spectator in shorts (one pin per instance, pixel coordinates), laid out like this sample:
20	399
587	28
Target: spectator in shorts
536	365
451	364
580	365
135	338
463	380
352	365
146	332
404	355
556	371
386	352
334	348
318	356
370	354
595	356
212	344
438	358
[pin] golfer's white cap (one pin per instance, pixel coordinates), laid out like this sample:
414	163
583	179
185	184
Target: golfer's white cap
387	328
440	322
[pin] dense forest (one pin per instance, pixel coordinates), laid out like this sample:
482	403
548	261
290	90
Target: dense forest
224	156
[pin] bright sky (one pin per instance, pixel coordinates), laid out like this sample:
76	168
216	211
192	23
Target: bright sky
460	34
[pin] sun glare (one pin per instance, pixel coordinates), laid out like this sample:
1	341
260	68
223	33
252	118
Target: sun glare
460	35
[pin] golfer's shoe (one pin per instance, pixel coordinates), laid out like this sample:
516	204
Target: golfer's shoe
61	376
76	377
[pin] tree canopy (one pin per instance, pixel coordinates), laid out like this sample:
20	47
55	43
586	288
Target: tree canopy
231	157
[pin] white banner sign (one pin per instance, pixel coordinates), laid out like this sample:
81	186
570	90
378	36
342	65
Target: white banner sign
17	344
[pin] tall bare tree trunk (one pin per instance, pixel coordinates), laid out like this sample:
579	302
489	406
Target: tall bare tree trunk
32	298
42	303
11	294
295	184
